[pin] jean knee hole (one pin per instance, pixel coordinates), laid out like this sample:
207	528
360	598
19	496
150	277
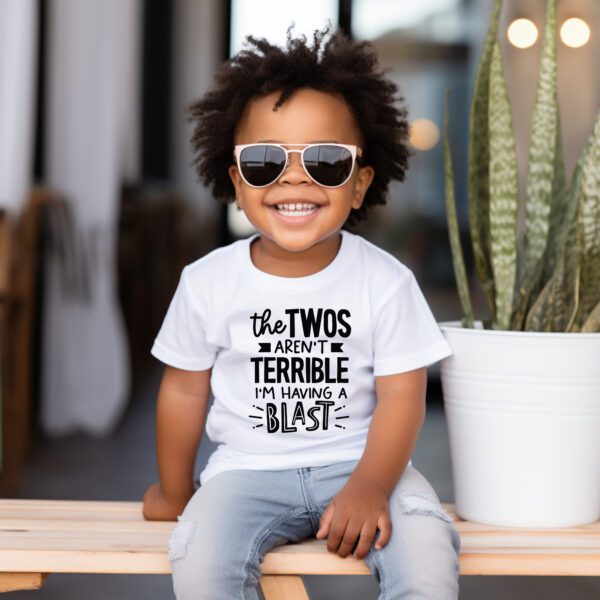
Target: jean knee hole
421	504
180	539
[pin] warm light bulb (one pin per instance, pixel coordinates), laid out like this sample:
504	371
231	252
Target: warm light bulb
424	134
575	33
522	33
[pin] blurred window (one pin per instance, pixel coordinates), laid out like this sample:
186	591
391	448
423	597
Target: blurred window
271	18
373	18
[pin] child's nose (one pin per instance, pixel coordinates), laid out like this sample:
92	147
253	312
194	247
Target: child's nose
294	173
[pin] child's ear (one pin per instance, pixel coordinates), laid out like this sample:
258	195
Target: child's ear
236	179
363	181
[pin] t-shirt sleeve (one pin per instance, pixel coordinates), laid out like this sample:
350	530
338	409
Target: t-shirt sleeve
181	341
406	335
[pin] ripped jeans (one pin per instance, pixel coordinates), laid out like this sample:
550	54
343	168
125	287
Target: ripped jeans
230	523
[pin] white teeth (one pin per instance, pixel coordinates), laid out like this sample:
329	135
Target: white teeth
297	206
297	209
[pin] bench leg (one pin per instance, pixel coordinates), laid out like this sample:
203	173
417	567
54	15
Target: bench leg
10	582
283	587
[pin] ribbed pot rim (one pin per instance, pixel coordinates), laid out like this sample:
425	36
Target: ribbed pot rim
454	325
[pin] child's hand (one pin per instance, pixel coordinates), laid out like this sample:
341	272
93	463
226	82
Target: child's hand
159	507
356	511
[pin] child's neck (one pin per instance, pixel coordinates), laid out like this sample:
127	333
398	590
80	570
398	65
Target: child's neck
271	258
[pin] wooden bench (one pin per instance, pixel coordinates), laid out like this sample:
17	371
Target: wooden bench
39	537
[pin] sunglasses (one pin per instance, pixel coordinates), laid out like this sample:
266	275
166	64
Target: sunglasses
329	165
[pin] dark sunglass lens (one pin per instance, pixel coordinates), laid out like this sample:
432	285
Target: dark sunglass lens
261	165
328	165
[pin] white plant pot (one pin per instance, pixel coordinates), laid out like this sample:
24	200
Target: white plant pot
523	416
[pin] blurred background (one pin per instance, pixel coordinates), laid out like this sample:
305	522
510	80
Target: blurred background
100	211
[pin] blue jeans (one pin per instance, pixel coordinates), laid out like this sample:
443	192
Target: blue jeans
230	523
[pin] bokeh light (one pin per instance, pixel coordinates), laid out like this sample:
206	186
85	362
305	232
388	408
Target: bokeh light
522	33
575	33
424	134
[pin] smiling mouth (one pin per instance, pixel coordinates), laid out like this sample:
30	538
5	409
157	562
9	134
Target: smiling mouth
296	209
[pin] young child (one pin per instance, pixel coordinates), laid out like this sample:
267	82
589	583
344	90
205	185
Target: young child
313	340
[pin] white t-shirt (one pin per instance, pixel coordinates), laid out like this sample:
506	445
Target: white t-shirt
294	358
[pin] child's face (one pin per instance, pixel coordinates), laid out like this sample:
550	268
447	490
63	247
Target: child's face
308	116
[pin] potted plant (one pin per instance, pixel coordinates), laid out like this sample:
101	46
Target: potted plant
522	388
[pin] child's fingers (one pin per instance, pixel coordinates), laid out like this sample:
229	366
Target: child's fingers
367	535
337	531
385	531
325	522
349	539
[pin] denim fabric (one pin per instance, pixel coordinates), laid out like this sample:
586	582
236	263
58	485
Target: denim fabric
230	523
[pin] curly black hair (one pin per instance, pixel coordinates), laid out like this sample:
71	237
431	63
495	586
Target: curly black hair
337	65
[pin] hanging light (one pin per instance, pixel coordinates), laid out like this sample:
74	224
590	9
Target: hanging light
522	33
575	33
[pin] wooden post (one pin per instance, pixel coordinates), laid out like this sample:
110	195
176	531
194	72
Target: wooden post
11	582
283	587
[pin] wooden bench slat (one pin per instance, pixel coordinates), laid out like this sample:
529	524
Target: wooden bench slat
87	526
64	536
76	510
140	535
86	561
106	541
574	565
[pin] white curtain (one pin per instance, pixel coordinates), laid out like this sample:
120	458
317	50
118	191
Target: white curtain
18	48
91	116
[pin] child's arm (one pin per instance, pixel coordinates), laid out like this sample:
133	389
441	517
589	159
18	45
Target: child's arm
180	414
361	506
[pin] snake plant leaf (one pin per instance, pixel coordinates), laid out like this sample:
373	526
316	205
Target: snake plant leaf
542	149
538	316
523	296
592	323
564	284
458	261
503	192
562	302
540	176
566	290
556	304
478	166
589	223
560	199
560	202
572	325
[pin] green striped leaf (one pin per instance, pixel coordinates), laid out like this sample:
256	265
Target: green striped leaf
589	223
478	169
542	149
541	163
503	192
560	198
574	290
558	213
538	316
454	232
562	302
555	306
592	323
